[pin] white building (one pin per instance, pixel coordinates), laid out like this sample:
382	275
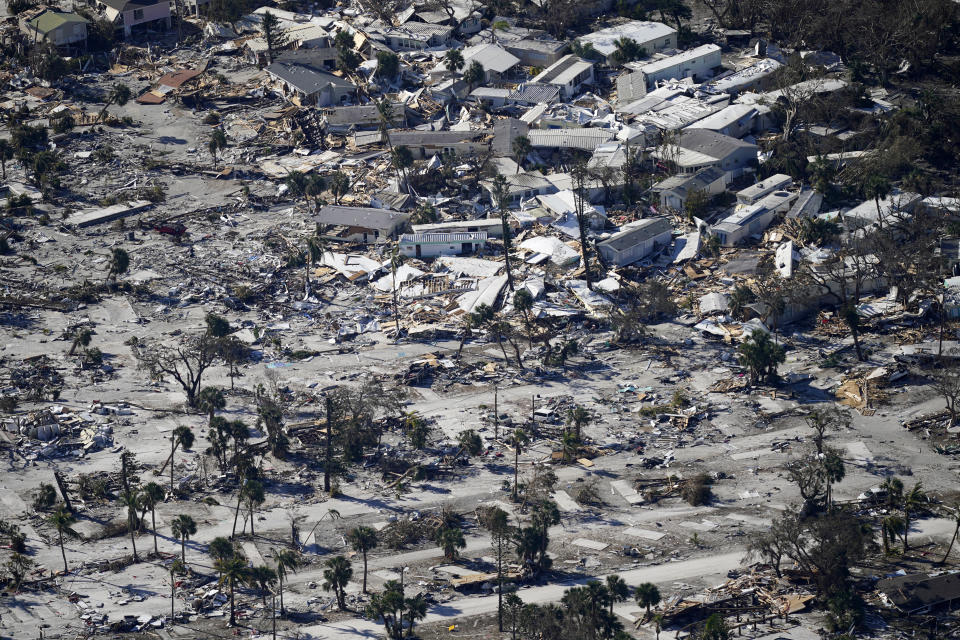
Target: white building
753	219
433	245
735	120
570	73
762	189
652	36
696	63
636	241
493	227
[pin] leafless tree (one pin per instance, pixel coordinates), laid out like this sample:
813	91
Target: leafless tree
185	363
946	381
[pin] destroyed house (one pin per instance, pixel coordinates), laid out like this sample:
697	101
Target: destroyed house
536	52
735	120
411	36
433	245
915	593
367	116
131	16
570	73
695	64
636	241
522	186
426	144
493	227
675	190
652	36
65	31
360	224
304	80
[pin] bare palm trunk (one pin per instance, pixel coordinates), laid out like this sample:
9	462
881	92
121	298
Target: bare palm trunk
236	513
153	523
63	552
365	569
952	540
252	534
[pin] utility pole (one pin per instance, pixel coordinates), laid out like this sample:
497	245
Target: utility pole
496	414
328	403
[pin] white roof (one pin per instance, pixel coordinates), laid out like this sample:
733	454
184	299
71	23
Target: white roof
563	70
491	57
665	63
639	31
725	117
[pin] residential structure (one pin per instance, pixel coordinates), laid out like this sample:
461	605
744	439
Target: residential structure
765	187
426	144
652	36
753	219
700	148
361	224
735	120
303	79
495	60
521	186
432	245
134	16
492	227
636	241
696	64
65	31
570	73
675	190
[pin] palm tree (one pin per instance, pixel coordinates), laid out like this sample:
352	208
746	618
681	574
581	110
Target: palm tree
253	495
453	60
521	148
500	192
618	589
578	417
416	610
254	487
119	263
570	444
647	595
519	440
61	520
6	153
262	578
218	142
131	500
335	578
150	496
80	339
877	188
288	560
233	571
210	400
890	527
221	548
911	502
385	114
119	94
954	513
183	527
339	185
182	437
474	75
395	261
363	539
450	539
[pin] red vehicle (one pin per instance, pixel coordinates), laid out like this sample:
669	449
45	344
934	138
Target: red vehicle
171	228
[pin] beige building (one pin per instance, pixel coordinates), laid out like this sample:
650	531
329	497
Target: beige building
61	29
